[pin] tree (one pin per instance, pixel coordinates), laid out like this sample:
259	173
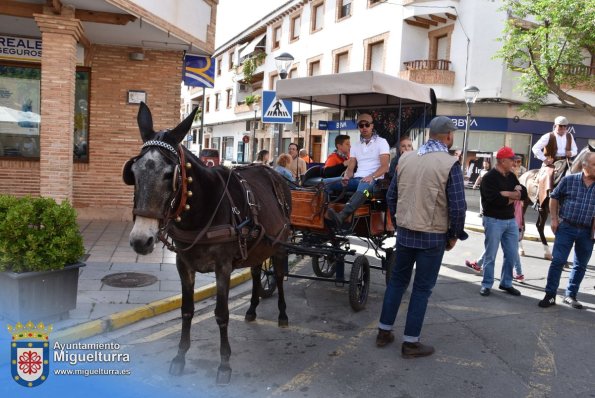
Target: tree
552	43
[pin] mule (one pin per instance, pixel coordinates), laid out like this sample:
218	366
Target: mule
529	180
215	219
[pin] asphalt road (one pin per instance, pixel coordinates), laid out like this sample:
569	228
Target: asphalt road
496	346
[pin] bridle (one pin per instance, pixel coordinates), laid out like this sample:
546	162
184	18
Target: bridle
180	181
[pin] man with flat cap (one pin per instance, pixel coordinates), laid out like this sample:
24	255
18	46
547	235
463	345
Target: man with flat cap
371	156
427	194
553	149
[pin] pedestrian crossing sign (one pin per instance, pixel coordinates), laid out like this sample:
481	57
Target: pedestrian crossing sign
276	110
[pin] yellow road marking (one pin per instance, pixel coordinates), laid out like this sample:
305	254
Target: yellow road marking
544	366
296	329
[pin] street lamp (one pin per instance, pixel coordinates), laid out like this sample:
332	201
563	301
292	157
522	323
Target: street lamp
470	97
256	109
283	63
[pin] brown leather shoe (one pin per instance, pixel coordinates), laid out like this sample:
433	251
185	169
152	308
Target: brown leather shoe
385	337
415	350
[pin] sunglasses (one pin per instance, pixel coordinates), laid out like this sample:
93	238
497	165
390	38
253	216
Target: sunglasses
363	124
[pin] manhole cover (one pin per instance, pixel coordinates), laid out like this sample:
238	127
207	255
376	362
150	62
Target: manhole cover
129	279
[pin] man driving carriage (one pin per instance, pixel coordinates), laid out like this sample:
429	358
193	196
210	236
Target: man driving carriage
371	155
553	149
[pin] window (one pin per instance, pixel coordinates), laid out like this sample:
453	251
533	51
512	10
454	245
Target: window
276	37
273	80
218	61
208	104
375	56
317	17
230	59
217	95
341	62
229	93
314	68
295	27
20	108
373	2
293	73
343	9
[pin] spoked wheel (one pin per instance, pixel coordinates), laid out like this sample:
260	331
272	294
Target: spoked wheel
389	263
359	283
268	283
324	266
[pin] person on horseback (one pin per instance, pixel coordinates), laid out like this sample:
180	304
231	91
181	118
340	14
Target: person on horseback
554	149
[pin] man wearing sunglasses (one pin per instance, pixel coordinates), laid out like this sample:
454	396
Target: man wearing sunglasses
372	157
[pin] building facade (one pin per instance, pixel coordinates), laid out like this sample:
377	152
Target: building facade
72	73
446	45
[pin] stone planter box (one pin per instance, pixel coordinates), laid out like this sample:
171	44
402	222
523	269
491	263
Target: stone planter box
39	296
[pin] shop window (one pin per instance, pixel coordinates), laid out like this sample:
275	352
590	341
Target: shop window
20	112
81	116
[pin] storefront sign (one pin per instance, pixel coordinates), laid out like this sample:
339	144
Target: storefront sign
20	48
333	125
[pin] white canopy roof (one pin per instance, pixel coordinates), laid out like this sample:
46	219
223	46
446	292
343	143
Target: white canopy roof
353	90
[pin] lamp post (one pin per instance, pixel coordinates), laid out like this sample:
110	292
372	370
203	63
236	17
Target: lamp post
256	109
470	97
283	63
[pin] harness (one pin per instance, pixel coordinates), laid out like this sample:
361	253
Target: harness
247	232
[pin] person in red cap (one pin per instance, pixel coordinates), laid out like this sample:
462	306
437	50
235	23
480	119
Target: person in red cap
499	189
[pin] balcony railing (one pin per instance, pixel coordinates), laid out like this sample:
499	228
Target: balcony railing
584	70
428	64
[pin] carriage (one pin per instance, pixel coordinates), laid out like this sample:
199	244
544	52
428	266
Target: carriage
400	108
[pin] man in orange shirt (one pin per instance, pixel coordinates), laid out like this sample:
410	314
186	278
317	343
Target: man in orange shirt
305	157
338	161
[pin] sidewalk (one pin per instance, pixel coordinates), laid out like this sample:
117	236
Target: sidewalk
101	307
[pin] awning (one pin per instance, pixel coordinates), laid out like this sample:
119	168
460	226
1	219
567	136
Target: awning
354	90
249	49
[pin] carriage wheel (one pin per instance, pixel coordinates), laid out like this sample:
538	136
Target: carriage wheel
268	283
388	264
359	283
324	268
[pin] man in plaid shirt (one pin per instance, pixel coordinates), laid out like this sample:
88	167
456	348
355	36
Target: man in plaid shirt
433	180
572	205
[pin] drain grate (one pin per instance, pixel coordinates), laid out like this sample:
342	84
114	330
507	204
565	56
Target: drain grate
129	279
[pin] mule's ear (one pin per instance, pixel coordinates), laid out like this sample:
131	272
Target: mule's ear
145	122
181	129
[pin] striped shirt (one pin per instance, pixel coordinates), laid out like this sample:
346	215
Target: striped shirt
577	201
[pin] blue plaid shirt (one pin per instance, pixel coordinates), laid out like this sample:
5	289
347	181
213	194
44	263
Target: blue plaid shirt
577	202
457	206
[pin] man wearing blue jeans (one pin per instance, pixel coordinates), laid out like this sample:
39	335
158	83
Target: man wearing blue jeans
499	189
433	180
572	205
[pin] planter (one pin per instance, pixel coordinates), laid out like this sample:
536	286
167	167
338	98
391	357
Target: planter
39	296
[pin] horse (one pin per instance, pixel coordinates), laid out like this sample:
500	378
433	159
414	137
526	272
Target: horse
529	180
215	219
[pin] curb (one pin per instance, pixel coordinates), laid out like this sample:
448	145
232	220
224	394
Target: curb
533	238
124	318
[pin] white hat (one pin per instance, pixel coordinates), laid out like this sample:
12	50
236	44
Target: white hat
561	121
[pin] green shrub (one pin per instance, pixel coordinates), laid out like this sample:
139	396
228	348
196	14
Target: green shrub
37	234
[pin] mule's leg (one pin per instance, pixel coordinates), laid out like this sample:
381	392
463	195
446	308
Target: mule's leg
222	275
279	267
187	277
255	299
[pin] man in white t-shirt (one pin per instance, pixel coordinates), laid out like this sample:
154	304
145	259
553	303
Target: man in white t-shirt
372	157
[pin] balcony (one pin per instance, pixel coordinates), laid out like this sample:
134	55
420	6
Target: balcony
585	71
428	71
243	107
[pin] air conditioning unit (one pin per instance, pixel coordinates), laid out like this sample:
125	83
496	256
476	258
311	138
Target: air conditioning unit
243	87
209	129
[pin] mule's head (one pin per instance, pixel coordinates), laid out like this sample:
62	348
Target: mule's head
154	174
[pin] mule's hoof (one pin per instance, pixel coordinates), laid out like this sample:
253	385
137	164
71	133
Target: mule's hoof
176	368
283	323
547	256
250	317
223	375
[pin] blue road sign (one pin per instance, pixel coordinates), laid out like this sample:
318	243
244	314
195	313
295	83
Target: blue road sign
276	110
